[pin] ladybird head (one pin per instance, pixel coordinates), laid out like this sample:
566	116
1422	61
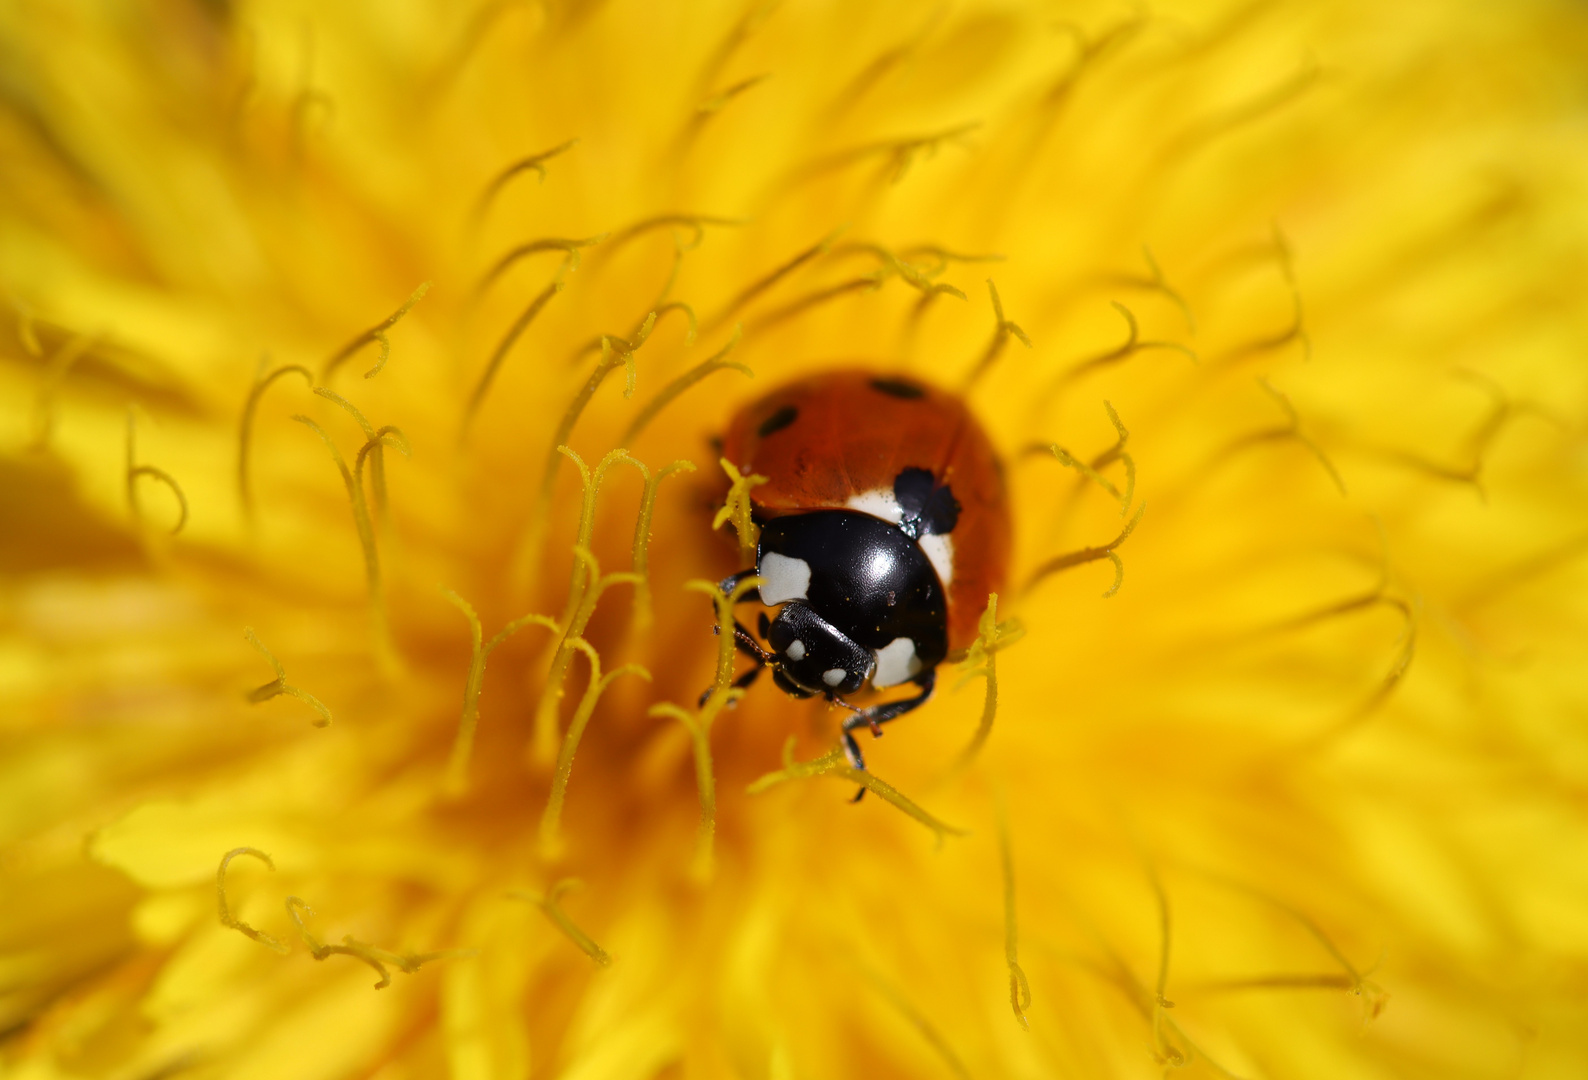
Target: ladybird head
814	654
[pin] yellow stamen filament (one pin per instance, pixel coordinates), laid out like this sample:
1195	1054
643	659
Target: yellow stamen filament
458	56
679	305
698	722
1259	106
1290	431
1114	453
833	763
572	253
227	918
55	372
944	256
697	222
738	509
1406	649
1130	347
377	461
535	163
353	481
375	957
1502	410
584	584
703	113
900	153
134	471
551	841
885	62
665	397
1165	1052
641	557
1117	973
590	484
755	13
767	281
917	1019
992	636
795	308
1352	980
544	745
550	908
279	685
1003	330
1089	52
607	341
920	278
717	101
1374	997
1090	554
611	359
374	335
245	430
27	326
570	263
1019	985
679	250
457	779
1160	284
1296	331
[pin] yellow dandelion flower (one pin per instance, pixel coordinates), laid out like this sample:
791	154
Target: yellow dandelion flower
359	370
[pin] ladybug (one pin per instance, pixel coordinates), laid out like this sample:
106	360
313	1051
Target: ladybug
884	525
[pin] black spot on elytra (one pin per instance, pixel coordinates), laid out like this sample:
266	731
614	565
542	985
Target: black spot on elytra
928	509
898	388
777	421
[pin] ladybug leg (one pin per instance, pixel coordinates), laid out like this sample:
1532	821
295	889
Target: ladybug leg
852	748
878	715
731	582
856	759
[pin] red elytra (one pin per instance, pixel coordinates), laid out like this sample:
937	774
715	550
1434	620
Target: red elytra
829	440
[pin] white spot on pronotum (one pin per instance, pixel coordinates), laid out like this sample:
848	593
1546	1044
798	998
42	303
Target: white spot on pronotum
783	578
878	502
940	553
833	676
896	663
796	650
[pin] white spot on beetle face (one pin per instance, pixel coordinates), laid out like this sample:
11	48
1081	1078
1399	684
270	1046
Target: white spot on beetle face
834	676
878	502
784	579
896	663
796	650
940	553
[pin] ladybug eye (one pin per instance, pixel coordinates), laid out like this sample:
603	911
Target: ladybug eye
834	676
796	650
